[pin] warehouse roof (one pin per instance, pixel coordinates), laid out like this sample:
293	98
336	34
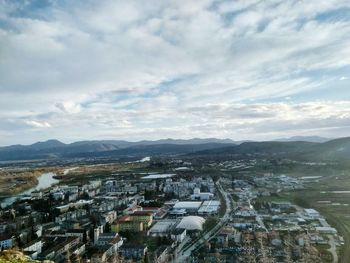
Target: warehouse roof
192	223
187	205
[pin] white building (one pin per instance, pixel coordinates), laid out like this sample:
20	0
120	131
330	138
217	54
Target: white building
6	242
162	228
189	206
191	223
312	213
197	195
97	232
109	217
209	207
58	195
36	195
178	234
326	230
34	247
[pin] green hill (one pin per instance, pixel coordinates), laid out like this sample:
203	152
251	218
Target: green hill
333	150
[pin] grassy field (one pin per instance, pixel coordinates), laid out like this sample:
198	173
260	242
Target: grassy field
85	173
15	181
319	194
332	205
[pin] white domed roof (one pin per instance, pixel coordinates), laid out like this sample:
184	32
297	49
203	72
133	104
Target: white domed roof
192	223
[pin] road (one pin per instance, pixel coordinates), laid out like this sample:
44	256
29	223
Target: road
333	249
185	253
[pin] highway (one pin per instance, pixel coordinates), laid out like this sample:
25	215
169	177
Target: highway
185	253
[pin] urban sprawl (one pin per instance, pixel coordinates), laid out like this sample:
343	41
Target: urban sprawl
179	215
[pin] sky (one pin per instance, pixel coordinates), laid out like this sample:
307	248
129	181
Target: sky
134	70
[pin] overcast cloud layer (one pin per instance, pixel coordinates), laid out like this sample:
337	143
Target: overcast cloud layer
135	70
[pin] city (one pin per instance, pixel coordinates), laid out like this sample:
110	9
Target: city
196	131
189	212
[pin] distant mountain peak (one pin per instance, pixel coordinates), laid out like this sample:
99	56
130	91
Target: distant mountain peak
317	139
306	147
52	143
54	148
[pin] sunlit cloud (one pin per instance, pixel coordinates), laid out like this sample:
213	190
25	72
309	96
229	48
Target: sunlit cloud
125	70
37	124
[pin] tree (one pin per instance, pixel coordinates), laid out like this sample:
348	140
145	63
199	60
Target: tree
30	220
108	227
33	234
159	241
85	196
150	195
146	258
210	223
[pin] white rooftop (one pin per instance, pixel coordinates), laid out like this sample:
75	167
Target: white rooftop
187	205
310	211
192	223
209	206
162	226
157	176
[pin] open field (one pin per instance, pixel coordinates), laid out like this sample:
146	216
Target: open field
327	189
84	173
15	181
330	197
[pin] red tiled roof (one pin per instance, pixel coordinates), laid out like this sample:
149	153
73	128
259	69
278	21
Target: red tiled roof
150	208
122	219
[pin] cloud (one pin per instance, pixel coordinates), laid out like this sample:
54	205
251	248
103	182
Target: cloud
37	124
124	69
68	107
343	78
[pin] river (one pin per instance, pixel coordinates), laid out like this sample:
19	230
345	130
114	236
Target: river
44	181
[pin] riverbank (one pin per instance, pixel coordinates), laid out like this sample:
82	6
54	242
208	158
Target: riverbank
45	180
14	181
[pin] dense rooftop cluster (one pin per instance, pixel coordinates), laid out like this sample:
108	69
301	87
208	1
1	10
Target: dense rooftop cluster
180	215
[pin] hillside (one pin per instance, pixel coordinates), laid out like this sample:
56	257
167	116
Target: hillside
304	139
333	150
12	256
338	149
261	149
108	148
144	150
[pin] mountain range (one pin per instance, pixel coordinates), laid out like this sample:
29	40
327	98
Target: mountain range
308	148
305	139
332	150
106	148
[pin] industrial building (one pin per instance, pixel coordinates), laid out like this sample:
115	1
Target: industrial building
197	195
191	223
209	207
191	207
162	228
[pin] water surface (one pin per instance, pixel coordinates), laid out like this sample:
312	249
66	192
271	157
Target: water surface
44	181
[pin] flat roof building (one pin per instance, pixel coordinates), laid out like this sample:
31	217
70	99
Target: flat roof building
162	228
326	230
189	206
209	207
